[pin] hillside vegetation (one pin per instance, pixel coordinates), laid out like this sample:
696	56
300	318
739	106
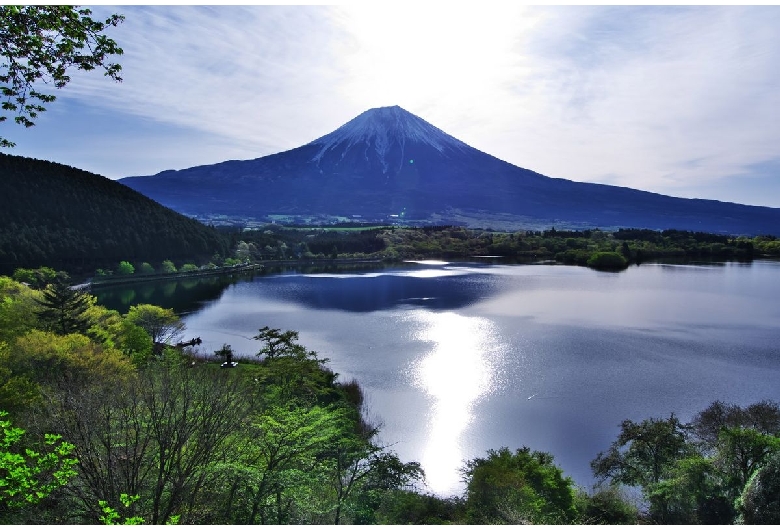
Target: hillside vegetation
105	418
59	216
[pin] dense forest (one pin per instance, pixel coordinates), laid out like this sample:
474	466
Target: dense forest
111	418
58	216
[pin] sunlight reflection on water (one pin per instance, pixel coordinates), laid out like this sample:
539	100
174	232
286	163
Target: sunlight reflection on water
459	370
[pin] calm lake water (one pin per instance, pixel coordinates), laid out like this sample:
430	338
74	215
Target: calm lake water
458	358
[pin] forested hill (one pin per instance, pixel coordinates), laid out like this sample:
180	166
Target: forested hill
59	216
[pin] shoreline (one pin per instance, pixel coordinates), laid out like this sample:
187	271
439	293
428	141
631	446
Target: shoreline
223	271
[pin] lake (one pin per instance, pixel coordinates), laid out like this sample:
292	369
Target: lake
458	358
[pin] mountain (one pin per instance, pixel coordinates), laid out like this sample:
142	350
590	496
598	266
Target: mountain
68	219
388	162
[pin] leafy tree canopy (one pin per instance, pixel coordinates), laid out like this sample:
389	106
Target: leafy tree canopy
18	307
40	44
645	454
28	476
760	501
36	278
707	425
278	343
163	325
125	268
518	488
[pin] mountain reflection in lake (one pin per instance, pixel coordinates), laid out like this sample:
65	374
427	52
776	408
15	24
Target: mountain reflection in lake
456	359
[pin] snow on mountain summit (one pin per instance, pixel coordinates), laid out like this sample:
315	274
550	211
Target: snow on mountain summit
382	129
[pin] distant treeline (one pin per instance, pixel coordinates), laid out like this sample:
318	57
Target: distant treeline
62	217
596	248
276	242
58	216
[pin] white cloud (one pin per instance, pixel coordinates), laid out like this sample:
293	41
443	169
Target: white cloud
251	74
677	95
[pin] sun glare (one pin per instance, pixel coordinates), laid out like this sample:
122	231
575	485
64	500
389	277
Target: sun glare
416	56
456	373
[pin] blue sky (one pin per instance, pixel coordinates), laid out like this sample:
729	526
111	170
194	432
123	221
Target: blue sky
682	101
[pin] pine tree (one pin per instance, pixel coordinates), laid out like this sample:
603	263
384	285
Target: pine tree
63	308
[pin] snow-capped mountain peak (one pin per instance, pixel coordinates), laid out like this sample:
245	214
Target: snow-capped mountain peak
382	129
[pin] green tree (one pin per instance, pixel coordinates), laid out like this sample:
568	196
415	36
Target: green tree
741	452
57	361
17	392
362	473
276	468
36	278
607	261
693	493
760	501
145	268
62	308
763	417
27	476
125	268
518	488
163	325
167	267
156	435
112	330
606	506
192	417
40	44
278	343
405	507
643	455
225	352
18	309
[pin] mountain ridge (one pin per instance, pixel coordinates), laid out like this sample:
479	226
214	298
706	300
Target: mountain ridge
59	216
388	164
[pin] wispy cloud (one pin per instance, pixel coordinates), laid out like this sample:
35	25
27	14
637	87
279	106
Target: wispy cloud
678	100
251	74
633	96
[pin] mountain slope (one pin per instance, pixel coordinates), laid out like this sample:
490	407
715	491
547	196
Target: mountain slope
58	216
389	162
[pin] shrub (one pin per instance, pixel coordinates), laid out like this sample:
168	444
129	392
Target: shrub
606	506
610	261
125	267
167	267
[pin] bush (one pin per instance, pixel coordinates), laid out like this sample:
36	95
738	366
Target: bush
125	268
606	506
609	261
167	267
